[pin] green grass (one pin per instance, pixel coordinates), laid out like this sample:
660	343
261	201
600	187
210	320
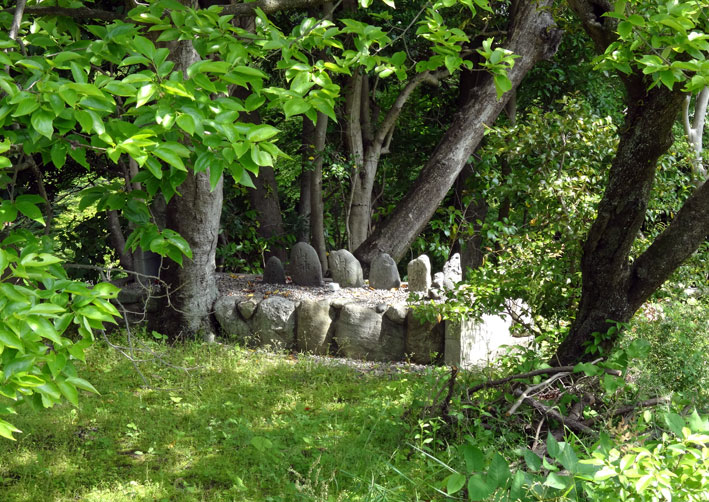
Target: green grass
238	425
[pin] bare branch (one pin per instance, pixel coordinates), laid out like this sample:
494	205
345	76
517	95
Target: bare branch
395	110
542	371
574	425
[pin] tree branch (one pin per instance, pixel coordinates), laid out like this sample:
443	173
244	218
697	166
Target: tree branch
76	13
574	425
395	110
17	19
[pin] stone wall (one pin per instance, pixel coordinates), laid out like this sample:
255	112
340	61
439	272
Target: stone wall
360	331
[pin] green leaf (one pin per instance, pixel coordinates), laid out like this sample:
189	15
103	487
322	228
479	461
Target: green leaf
534	463
499	471
478	489
82	384
675	423
29	208
168	153
145	93
6	429
9	339
69	391
502	84
261	133
454	483
557	481
625	29
186	123
215	174
177	89
144	46
295	106
42	122
474	458
26	106
39	260
58	154
118	88
44	328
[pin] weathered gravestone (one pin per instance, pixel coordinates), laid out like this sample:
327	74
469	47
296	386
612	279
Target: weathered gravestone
383	273
305	268
419	272
346	269
273	273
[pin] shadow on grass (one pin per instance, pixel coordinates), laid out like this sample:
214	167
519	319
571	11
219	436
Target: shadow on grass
242	426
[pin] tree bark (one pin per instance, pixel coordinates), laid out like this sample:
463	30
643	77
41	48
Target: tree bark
533	37
366	146
613	286
307	156
317	208
192	288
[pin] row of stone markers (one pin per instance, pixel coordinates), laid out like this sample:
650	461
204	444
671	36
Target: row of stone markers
305	270
354	329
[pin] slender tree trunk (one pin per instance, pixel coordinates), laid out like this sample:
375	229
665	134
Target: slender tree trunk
118	241
695	131
533	37
306	173
317	207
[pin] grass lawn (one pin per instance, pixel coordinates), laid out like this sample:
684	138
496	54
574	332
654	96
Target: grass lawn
236	425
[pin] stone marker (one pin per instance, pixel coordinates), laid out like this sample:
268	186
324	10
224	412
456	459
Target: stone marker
452	271
438	280
305	268
346	269
274	323
419	271
273	273
383	273
315	328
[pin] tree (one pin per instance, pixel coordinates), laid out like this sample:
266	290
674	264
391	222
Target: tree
614	286
531	38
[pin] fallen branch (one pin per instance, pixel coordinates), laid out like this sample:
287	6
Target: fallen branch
533	388
542	371
574	425
628	408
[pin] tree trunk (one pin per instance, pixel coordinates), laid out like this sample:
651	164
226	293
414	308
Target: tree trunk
264	199
192	288
609	280
317	209
534	38
307	157
118	241
613	286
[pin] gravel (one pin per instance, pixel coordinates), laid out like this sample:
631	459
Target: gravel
250	286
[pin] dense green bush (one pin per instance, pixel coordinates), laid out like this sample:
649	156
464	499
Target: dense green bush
676	362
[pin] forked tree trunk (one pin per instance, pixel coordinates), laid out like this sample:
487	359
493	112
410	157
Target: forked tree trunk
533	37
613	286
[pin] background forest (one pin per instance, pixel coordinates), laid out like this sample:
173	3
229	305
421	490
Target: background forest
558	146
